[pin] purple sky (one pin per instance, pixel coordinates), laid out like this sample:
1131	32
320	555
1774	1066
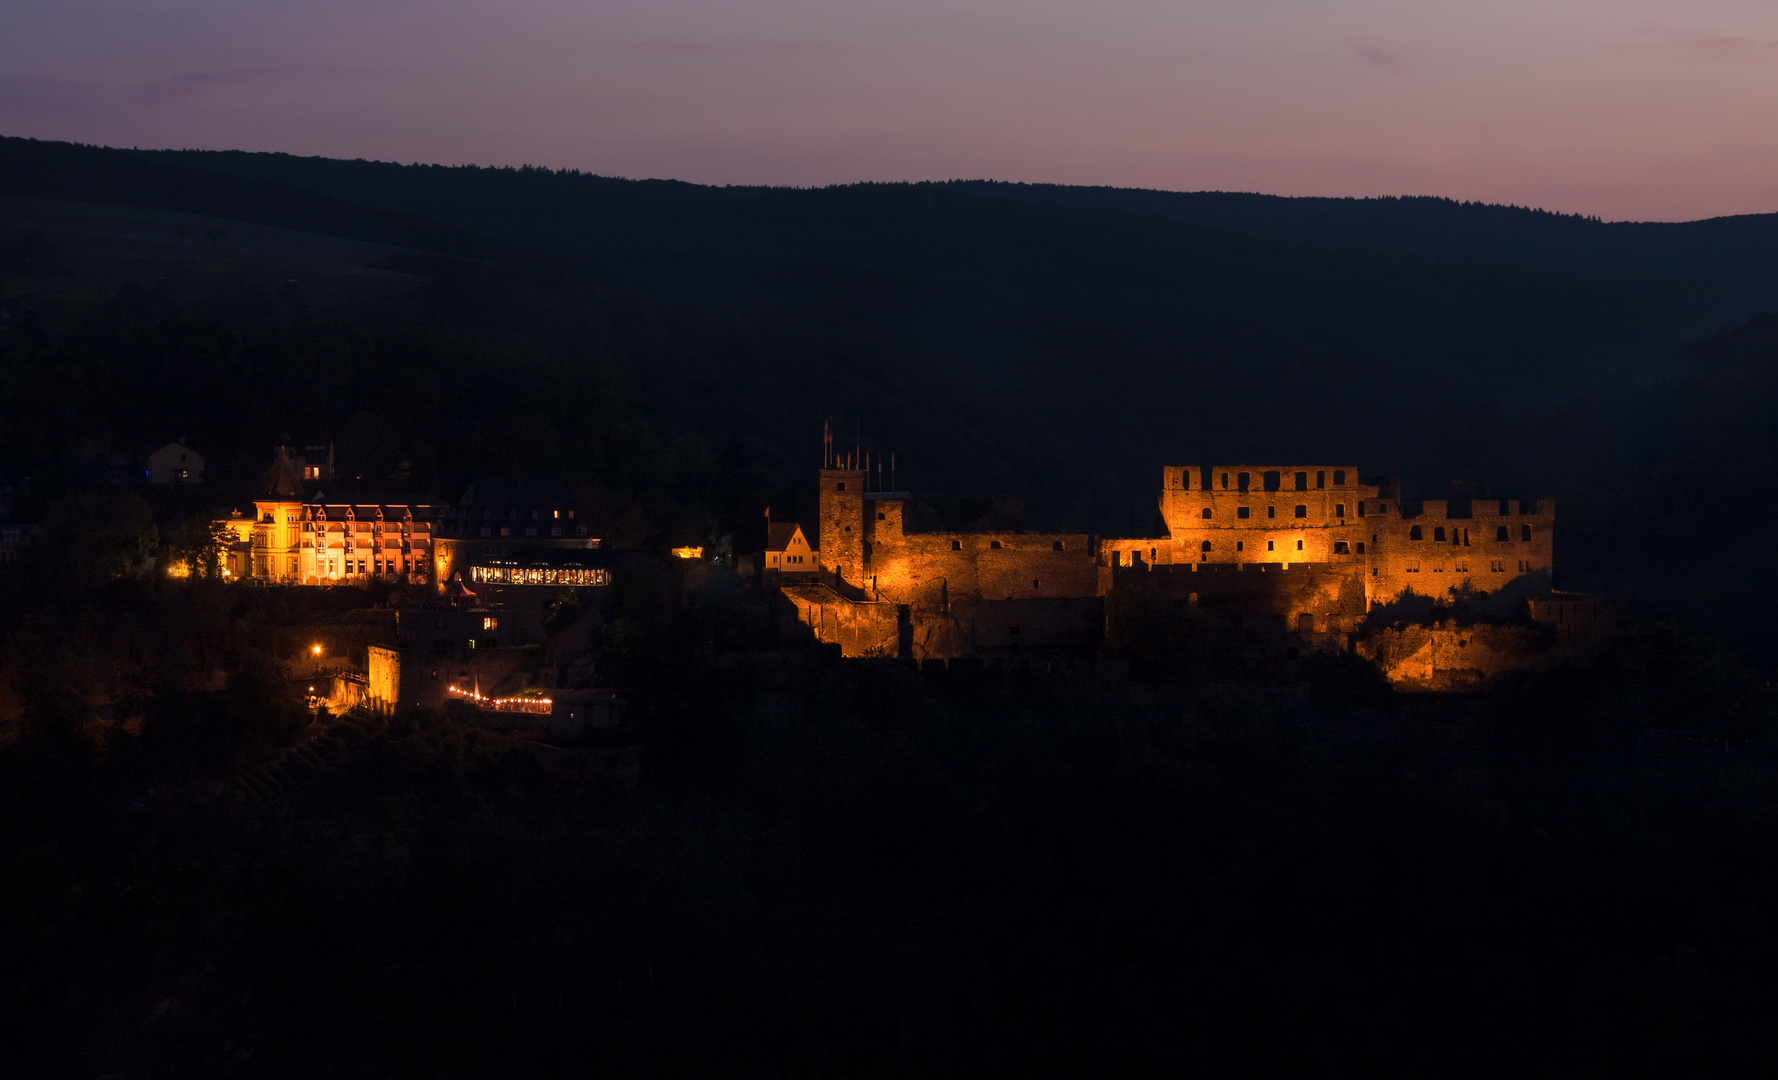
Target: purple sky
1647	109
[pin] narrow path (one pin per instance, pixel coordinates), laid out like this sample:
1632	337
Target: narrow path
305	760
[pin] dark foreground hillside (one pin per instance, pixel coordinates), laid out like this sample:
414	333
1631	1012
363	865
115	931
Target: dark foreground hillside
859	869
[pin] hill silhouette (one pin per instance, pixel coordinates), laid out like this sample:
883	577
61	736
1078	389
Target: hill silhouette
1057	341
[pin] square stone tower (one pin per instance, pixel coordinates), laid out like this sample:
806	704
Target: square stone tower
841	545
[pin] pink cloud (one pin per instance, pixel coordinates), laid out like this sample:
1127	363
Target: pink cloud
1704	46
1383	59
185	87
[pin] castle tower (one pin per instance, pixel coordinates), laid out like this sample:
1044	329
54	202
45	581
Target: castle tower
842	513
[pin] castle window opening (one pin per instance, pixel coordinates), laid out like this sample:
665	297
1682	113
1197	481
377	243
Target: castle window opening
1299	545
1036	584
956	545
1413	566
1240	545
841	486
1243	480
1503	534
1242	512
1206	546
1341	548
1269	545
1225	481
1302	481
1415	534
1271	511
1525	533
1320	480
1361	547
1153	554
1206	513
1059	546
1339	510
995	544
1272	481
1301	510
882	516
1438	535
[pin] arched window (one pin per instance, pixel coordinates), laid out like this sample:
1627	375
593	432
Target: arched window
956	545
1206	513
1302	511
1206	546
1059	546
1414	533
995	544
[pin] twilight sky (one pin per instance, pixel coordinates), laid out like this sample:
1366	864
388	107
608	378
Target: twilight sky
1646	109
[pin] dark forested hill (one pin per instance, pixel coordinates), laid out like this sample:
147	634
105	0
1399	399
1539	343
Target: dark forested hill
1061	342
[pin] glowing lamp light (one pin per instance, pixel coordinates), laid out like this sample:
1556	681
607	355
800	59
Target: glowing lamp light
316	650
688	552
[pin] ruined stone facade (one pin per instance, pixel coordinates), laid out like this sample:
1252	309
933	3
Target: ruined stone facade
1327	517
1298	553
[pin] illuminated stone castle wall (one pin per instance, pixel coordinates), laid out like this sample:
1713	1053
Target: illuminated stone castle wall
1305	551
1325	516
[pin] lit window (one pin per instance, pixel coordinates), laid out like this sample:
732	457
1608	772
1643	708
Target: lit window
490	623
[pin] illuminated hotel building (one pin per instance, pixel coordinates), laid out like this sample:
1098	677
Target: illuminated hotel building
298	540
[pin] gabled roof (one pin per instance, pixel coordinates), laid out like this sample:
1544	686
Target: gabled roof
780	533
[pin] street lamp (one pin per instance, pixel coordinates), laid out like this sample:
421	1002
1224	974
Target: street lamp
316	651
